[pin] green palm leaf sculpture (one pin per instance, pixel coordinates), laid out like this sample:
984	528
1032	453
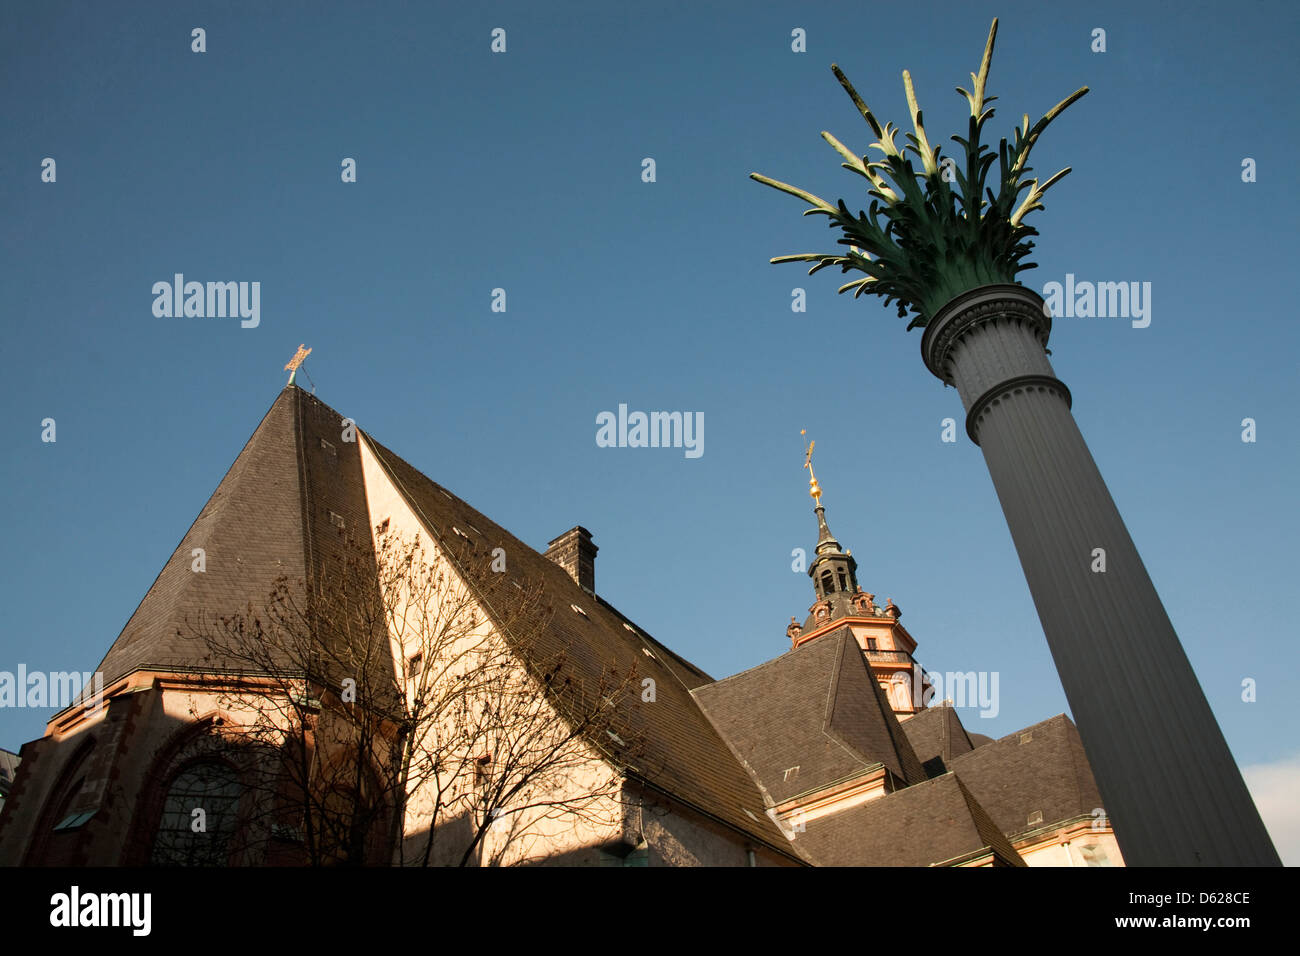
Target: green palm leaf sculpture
922	243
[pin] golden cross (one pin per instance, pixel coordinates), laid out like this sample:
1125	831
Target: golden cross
299	357
815	489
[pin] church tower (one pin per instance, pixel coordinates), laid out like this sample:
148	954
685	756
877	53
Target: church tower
841	603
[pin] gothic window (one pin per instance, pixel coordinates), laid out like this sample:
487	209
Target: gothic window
55	841
70	821
189	838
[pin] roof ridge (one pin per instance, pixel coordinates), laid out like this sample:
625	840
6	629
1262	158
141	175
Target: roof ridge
642	632
986	828
690	759
832	699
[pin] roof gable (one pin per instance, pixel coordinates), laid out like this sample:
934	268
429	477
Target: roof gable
811	717
1041	768
931	823
677	750
937	735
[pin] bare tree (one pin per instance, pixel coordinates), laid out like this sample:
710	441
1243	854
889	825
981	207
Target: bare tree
291	673
505	735
415	707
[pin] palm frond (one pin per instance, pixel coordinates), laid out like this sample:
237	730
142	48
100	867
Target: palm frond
928	237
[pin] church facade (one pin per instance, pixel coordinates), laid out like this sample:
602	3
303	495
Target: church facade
618	751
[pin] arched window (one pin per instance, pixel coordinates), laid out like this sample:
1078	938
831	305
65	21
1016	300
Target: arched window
187	838
57	840
66	820
828	583
900	697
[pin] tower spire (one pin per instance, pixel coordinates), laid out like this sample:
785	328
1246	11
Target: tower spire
833	571
826	543
841	602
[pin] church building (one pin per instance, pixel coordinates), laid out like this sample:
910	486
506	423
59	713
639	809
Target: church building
827	755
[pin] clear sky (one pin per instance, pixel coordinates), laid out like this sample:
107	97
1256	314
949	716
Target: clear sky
522	170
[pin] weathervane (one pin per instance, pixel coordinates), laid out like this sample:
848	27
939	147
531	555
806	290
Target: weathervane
299	357
815	490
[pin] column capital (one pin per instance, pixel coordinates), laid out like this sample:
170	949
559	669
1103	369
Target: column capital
976	308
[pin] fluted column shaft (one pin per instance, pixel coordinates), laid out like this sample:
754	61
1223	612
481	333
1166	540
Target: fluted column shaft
1166	776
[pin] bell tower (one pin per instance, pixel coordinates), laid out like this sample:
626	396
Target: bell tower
841	603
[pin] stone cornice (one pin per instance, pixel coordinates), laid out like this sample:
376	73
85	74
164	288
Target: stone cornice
893	624
842	794
1049	382
972	309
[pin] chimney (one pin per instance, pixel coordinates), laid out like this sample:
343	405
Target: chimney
574	552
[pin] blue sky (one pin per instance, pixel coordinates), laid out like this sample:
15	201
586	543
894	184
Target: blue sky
522	170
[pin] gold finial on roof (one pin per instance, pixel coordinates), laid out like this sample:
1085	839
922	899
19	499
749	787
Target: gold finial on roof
299	357
815	490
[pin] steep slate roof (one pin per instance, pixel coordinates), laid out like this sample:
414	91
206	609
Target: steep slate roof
269	516
817	707
1049	773
989	831
674	748
8	766
276	512
934	822
937	732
